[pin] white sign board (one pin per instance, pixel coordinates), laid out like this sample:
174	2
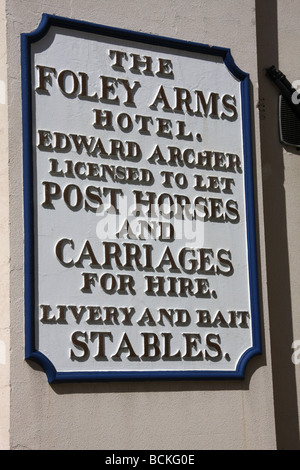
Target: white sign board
140	240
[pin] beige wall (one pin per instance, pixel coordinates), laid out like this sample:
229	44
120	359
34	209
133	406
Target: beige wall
4	245
289	53
246	414
278	44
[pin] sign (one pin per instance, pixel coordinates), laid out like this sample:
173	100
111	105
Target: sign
139	221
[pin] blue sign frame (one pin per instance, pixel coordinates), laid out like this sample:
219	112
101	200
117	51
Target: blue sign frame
27	39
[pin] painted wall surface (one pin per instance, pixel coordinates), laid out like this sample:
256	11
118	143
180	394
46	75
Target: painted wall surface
259	412
4	249
288	52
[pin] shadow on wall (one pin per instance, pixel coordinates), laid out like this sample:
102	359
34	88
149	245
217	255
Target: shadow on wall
278	277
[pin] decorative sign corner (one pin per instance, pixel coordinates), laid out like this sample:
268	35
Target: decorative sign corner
140	256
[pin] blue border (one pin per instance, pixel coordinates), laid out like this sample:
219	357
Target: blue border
30	352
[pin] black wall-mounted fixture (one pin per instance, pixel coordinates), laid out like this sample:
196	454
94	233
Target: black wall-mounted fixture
289	108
